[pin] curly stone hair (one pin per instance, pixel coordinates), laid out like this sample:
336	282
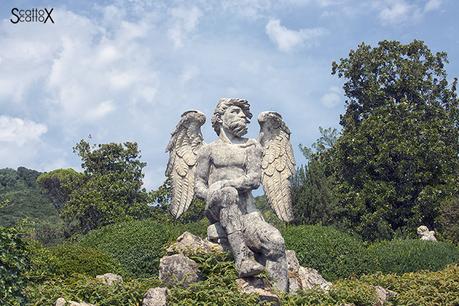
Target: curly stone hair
221	107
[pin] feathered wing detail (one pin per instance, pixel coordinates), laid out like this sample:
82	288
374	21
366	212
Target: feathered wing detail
278	164
183	154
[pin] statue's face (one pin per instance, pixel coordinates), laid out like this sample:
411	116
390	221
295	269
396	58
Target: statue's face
235	120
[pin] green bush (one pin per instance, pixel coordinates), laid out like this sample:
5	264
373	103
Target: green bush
421	288
218	287
139	245
76	258
343	292
333	253
88	289
14	264
400	256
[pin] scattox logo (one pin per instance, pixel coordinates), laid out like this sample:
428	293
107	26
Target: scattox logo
31	15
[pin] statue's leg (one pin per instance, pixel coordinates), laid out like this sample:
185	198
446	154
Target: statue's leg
231	221
266	240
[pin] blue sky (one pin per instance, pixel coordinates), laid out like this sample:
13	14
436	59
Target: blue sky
126	70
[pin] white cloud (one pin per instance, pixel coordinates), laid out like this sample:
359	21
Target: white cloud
287	39
394	12
332	98
185	20
20	131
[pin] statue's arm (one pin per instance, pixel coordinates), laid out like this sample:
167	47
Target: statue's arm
202	173
252	179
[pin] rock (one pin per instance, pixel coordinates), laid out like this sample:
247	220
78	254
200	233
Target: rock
215	232
72	303
63	302
60	302
292	261
155	297
110	278
425	234
307	278
258	286
188	243
383	295
311	278
178	268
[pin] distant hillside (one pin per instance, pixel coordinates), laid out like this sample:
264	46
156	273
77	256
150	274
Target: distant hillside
20	197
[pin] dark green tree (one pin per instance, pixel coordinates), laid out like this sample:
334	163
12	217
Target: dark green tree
397	158
111	190
59	184
314	199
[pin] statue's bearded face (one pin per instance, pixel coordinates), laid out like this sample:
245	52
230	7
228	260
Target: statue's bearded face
235	120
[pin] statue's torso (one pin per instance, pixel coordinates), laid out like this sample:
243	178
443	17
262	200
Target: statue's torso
227	160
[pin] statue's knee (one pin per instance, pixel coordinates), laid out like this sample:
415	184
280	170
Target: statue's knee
230	194
276	245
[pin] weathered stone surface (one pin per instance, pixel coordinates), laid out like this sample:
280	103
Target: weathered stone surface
155	297
257	285
224	173
425	234
307	278
63	302
110	278
178	268
383	295
60	302
188	243
292	261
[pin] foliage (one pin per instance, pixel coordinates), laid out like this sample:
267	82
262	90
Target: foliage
343	292
400	256
58	184
396	159
333	253
447	219
14	263
421	288
138	245
314	199
88	289
21	198
111	190
75	258
218	287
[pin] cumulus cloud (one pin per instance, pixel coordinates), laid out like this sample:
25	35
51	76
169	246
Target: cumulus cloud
393	12
332	98
185	21
20	131
287	39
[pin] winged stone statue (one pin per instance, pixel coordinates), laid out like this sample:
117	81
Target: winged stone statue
224	173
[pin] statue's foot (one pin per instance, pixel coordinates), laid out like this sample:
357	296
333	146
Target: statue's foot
249	267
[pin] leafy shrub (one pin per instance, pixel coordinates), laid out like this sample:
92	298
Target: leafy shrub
421	288
400	256
333	253
76	258
447	219
14	263
88	289
139	245
218	287
343	292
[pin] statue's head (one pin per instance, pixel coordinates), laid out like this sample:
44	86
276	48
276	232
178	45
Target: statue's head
233	114
422	230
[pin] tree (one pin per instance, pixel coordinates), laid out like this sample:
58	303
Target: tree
111	190
397	158
314	199
59	183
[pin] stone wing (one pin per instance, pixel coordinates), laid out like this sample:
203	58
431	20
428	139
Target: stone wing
278	164
183	149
